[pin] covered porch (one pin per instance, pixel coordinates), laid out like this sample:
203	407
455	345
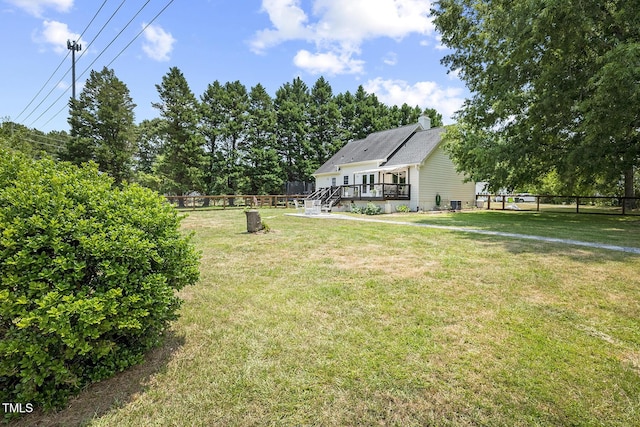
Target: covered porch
383	183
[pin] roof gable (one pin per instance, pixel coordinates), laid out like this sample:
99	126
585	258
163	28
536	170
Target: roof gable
417	148
376	146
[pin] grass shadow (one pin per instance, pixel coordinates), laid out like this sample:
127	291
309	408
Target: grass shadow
604	229
570	251
110	394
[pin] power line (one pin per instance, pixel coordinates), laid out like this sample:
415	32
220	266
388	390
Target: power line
104	50
97	57
141	31
59	65
116	37
56	114
59	147
42	88
81	55
49	107
48	138
102	28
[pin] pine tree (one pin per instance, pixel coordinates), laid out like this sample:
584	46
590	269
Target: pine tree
347	107
102	125
324	122
292	130
182	164
212	124
262	165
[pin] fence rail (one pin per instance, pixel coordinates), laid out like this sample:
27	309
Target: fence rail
605	205
235	201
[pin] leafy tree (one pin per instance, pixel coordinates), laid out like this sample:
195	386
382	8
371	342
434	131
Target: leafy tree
102	125
556	90
347	107
324	122
234	117
182	164
292	130
223	124
367	114
32	142
150	143
263	168
211	124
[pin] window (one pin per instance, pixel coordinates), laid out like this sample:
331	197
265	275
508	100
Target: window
371	181
333	182
345	180
400	178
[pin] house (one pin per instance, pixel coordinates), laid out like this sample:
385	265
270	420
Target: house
402	166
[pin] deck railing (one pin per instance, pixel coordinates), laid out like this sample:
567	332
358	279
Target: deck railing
376	192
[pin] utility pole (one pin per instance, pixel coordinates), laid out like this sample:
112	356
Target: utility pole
73	47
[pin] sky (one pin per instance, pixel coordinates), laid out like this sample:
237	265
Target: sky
390	47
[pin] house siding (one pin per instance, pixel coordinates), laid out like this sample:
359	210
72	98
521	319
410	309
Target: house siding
349	170
438	176
325	180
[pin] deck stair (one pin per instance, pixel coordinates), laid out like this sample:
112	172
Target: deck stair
326	197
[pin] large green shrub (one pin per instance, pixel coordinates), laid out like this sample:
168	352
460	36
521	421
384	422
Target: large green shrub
88	275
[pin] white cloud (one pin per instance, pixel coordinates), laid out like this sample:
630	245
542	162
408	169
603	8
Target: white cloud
338	28
56	34
390	59
37	7
289	22
359	20
425	94
455	74
440	46
327	63
159	43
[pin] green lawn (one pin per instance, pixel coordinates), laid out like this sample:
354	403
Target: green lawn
610	229
333	322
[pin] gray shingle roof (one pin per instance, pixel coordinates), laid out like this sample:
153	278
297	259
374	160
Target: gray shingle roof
417	148
376	146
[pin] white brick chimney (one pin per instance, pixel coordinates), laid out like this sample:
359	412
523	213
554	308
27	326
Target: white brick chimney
425	122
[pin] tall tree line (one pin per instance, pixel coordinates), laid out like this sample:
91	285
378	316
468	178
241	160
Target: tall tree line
251	143
229	139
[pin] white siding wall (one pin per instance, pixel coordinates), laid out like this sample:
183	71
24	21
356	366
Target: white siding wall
438	176
325	180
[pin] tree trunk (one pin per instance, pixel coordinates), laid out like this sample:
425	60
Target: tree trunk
629	191
254	223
